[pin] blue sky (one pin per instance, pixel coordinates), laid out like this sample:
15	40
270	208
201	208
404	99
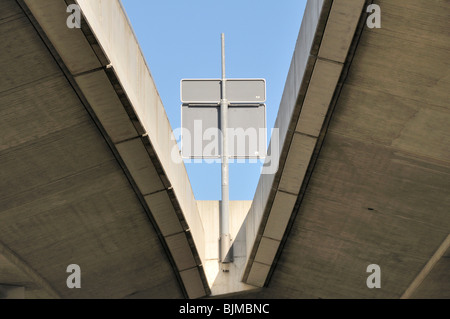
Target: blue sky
181	39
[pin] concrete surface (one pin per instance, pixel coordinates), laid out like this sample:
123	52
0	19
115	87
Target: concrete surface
80	168
376	189
87	175
224	279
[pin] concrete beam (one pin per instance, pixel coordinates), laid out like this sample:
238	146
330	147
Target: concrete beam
340	30
324	40
105	65
120	46
377	187
71	44
105	102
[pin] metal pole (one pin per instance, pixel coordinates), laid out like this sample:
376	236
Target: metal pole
225	238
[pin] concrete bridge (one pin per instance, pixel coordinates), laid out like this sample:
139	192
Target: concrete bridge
88	175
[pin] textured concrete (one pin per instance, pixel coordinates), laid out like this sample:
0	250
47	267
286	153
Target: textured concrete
224	279
80	177
19	281
310	85
12	292
115	36
432	281
376	190
89	174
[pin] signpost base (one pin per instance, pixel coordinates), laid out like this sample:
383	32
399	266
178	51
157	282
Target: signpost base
226	250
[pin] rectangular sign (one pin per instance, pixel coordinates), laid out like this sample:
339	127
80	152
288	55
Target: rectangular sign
208	91
200	91
201	134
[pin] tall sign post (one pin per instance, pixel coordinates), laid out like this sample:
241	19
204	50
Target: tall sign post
236	104
225	238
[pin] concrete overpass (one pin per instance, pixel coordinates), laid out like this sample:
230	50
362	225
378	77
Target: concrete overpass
88	175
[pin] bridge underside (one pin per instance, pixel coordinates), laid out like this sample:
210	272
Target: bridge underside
64	197
375	188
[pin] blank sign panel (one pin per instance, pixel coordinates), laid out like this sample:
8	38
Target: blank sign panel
200	91
208	91
246	91
201	135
